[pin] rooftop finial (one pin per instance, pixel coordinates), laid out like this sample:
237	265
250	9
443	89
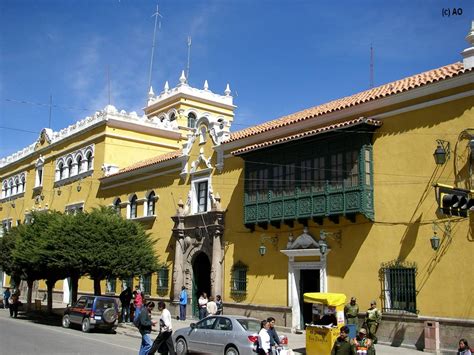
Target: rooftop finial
468	53
227	90
151	93
182	78
167	86
206	85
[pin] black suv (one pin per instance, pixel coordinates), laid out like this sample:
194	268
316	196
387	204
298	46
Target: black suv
92	312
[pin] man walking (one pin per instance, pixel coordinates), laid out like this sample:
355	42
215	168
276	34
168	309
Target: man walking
166	329
351	310
145	325
6	298
274	338
372	321
183	301
125	299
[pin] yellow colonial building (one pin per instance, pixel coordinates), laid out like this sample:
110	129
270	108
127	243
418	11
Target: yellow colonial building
369	195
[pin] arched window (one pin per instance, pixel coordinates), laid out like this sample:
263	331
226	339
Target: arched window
4	189
89	161
172	117
16	186
61	171
151	204
191	120
117	205
22	183
202	136
69	168
133	207
79	164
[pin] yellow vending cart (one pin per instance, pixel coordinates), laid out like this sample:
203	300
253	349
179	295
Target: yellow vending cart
328	311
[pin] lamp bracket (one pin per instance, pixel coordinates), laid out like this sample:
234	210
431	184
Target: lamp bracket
273	240
446	146
443	226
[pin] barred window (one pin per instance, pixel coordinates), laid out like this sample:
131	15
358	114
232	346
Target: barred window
111	285
146	284
162	281
239	279
399	287
127	282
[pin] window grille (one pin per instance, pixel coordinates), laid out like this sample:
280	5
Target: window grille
146	284
202	196
127	282
111	285
162	281
398	287
239	279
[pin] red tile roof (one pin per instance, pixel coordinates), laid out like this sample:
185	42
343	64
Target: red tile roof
392	88
148	162
313	132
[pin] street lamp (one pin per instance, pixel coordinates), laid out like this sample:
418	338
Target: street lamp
441	153
323	245
262	249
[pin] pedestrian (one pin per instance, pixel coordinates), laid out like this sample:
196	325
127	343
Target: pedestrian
125	299
202	301
166	330
363	345
137	302
220	305
342	345
274	338
14	302
372	321
264	346
183	301
351	311
463	348
6	297
211	307
145	325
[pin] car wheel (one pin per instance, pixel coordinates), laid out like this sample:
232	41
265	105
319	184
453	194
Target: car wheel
109	315
231	351
86	325
181	347
66	321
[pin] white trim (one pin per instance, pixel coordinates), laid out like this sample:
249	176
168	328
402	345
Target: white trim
194	198
130	181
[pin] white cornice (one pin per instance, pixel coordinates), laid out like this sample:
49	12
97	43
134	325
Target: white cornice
447	84
130	180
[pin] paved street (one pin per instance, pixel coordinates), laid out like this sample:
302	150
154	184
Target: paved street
44	335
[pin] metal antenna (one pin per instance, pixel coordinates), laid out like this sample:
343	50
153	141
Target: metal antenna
50	108
371	84
156	14
108	81
189	56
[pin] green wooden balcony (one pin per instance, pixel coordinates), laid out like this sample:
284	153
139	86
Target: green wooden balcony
262	208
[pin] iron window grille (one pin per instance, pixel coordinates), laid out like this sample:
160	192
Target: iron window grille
399	286
202	191
162	281
238	288
146	284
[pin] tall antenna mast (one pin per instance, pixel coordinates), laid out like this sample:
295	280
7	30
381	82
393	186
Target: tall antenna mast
50	108
156	14
371	84
189	56
108	81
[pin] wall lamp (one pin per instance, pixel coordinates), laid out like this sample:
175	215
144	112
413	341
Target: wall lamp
435	241
262	249
442	152
323	246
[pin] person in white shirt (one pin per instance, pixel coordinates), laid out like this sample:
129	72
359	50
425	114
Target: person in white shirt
211	307
166	329
264	338
203	305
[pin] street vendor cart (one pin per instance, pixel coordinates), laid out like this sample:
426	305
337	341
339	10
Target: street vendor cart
328	318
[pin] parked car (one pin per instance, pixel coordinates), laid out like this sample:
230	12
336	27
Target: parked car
229	335
92	312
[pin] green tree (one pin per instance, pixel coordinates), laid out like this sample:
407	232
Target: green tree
116	247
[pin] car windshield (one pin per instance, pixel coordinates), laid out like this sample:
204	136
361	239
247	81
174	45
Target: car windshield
250	325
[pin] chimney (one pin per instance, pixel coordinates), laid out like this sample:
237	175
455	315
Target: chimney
468	53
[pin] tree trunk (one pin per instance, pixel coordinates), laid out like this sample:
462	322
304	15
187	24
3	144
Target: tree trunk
50	284
30	294
74	287
97	286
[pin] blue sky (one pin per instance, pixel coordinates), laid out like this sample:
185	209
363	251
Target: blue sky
278	56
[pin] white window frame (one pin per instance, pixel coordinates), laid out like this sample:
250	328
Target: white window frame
194	191
74	208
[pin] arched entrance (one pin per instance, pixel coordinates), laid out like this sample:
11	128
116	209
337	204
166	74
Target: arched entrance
201	279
